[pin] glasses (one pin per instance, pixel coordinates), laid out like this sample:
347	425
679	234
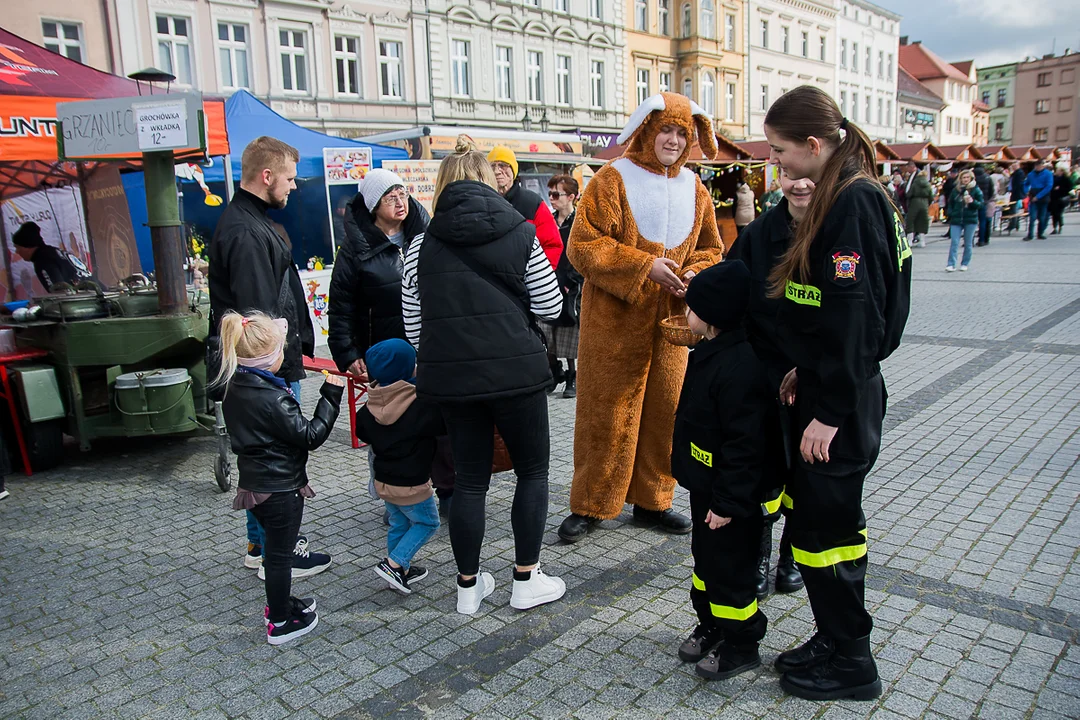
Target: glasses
398	198
555	195
501	167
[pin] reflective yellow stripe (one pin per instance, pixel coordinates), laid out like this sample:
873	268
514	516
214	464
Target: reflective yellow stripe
787	501
732	613
903	247
699	584
771	507
828	558
802	294
702	456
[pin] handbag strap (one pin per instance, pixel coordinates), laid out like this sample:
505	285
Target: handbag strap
492	279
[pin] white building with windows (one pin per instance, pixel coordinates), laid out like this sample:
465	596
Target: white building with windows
792	43
558	62
867	52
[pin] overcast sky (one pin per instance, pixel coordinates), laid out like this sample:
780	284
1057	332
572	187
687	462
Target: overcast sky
990	31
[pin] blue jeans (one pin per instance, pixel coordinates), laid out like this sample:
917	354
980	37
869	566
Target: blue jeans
954	242
1038	210
411	526
255	534
985	226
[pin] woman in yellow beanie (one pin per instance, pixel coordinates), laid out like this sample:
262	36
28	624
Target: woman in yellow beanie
531	206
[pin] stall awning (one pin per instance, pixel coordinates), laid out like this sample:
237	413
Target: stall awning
918	152
961	153
999	153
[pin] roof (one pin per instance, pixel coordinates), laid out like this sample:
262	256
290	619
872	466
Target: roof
980	106
964	66
884	152
996	152
1024	152
757	149
906	84
919	152
923	64
960	152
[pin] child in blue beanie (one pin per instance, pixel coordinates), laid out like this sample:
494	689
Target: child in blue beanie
401	430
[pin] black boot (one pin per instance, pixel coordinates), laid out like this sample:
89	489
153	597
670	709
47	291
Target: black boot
728	660
700	643
557	374
849	674
813	652
764	554
668	520
575	527
788	577
570	391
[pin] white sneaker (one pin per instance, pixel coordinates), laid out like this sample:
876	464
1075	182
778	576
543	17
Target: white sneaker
950	268
963	268
468	599
537	590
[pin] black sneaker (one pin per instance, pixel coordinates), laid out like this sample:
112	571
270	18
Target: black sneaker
294	627
700	643
297	606
395	576
305	563
416	572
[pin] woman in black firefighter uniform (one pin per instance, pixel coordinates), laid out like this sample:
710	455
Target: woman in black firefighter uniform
760	247
845	282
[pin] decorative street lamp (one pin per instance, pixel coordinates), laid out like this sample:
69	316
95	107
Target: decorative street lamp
526	122
544	122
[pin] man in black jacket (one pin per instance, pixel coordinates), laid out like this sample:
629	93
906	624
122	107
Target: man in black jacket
1016	195
986	186
252	269
51	266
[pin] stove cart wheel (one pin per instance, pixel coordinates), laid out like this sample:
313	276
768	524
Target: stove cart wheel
222	467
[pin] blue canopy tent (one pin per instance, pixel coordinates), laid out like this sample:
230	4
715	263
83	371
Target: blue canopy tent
305	219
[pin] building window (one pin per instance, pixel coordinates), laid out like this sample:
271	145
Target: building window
843	54
880	111
663	25
708	94
785	38
665	82
1044	80
391	78
1041	134
867	115
596	83
174	47
708	19
764	97
1068	76
821	48
986	97
729	102
805	44
562	6
292	46
881	64
642	85
596	9
63	38
1065	104
687	87
1001	97
534	68
562	79
1061	134
459	68
729	33
948	124
765	34
233	56
641	15
855	107
855	57
888	112
686	20
534	3
504	73
967	125
867	67
1042	106
843	102
347	64
999	131
889	68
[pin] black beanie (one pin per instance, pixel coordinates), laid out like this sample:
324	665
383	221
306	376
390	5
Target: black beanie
720	294
28	235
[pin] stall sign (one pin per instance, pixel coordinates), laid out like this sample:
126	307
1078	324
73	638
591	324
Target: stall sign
914	117
118	126
346	166
419	177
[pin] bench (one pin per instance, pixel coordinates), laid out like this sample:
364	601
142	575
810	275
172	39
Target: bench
356	388
1006	220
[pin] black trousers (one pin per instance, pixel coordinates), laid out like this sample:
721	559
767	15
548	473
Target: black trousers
280	518
523	424
724	585
828	528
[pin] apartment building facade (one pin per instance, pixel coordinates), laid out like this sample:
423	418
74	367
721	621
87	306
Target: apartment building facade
918	117
868	42
957	88
997	90
791	43
79	31
1047	108
696	47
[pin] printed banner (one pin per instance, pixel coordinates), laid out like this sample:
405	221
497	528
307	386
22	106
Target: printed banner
59	214
317	293
110	226
419	177
346	166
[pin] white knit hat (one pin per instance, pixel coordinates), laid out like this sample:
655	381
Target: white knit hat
377	183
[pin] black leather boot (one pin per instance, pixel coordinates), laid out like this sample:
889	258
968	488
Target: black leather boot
557	374
764	554
727	660
575	527
849	674
788	577
570	391
813	652
668	520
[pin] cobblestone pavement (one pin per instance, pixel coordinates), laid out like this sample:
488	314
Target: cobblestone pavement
123	593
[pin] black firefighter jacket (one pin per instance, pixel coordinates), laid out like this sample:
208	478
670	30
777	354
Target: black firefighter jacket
365	288
270	435
718	446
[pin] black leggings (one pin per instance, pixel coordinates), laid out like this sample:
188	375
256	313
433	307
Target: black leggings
280	517
523	424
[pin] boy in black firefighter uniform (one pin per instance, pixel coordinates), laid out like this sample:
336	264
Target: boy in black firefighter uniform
845	282
717	455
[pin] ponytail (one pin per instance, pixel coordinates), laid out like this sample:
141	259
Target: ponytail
244	337
800	114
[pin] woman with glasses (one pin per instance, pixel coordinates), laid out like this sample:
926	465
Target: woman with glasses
531	206
562	334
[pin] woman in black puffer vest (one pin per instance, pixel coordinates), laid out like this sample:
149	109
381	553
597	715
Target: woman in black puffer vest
473	287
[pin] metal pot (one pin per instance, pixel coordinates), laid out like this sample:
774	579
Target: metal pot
75	306
139	303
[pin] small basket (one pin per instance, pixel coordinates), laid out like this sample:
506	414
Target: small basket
677	332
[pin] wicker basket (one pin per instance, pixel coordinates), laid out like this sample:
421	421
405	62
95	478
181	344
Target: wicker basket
677	332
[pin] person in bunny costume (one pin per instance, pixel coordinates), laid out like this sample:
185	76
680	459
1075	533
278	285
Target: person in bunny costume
645	226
